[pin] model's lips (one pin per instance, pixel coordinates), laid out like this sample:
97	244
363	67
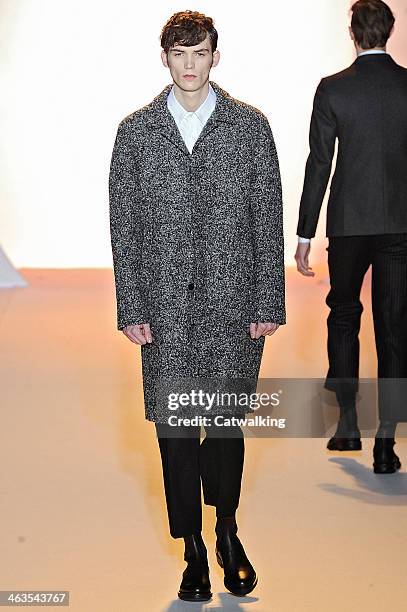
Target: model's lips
189	76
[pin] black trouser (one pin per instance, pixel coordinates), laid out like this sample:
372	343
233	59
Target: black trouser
218	461
349	258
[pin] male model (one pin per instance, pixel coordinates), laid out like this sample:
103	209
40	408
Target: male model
365	108
197	241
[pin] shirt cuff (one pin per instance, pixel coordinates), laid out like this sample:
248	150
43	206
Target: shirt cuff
303	240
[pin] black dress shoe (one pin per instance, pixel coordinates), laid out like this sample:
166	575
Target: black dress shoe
240	577
344	444
385	460
195	584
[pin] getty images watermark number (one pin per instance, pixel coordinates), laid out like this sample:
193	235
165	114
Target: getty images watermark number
34	598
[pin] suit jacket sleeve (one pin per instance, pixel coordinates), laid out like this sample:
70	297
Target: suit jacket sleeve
267	225
322	137
125	231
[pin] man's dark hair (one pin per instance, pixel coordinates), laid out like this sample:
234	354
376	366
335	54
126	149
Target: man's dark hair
372	21
188	28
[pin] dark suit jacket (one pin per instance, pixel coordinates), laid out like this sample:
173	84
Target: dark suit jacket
365	107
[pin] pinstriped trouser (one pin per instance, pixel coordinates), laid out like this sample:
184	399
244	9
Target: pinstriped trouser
349	258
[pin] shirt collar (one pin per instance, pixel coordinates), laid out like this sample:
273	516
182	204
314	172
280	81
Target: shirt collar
371	52
203	112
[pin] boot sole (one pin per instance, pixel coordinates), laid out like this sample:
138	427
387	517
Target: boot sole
341	449
242	592
195	596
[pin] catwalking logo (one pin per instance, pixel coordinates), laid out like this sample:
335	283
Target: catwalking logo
207	400
222	421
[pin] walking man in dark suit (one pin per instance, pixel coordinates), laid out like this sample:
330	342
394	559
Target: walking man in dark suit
197	239
365	108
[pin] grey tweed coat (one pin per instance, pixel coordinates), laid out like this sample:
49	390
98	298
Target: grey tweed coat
197	240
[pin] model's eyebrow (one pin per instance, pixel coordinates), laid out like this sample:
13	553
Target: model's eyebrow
182	51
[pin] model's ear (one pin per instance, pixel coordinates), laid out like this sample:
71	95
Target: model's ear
351	34
391	31
164	58
215	58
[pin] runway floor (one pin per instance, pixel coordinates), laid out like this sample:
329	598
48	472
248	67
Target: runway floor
82	502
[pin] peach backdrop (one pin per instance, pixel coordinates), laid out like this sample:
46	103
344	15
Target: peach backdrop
71	70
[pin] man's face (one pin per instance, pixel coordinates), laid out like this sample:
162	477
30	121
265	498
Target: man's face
190	66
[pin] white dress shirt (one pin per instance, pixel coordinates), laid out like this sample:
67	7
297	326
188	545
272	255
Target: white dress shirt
369	52
191	123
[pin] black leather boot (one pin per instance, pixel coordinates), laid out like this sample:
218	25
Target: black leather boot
347	435
240	577
385	460
195	584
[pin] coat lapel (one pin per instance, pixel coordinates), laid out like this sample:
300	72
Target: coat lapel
161	119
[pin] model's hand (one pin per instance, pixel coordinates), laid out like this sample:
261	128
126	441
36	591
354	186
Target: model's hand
263	329
139	334
301	257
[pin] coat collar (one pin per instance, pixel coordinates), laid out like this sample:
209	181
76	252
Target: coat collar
160	118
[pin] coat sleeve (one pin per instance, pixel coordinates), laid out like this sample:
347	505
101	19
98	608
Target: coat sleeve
322	137
125	231
267	224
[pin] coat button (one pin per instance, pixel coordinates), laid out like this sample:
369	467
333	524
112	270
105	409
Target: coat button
191	286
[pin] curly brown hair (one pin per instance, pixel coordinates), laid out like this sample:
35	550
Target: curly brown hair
188	28
372	21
